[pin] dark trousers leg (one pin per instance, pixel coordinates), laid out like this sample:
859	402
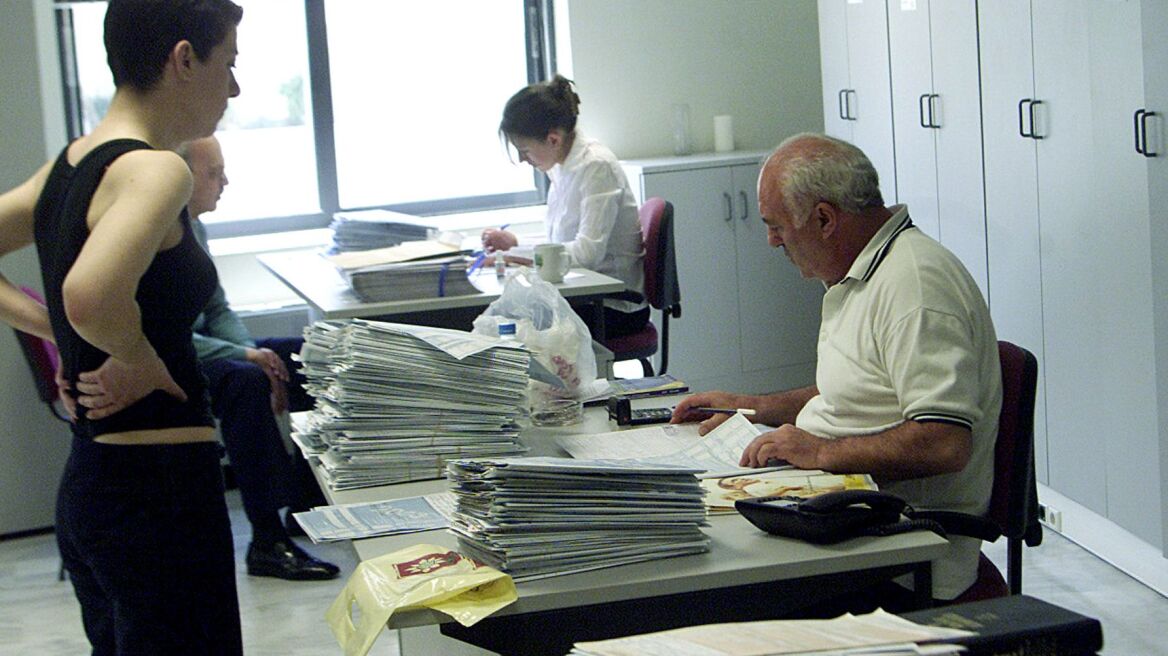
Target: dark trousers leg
144	534
303	489
241	399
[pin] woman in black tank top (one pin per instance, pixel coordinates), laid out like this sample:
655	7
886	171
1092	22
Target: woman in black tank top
141	520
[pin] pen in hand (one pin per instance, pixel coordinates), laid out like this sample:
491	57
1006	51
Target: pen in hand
749	412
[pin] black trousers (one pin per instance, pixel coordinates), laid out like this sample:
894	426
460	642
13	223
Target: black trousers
144	534
268	477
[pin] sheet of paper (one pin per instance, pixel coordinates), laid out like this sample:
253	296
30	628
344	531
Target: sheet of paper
361	520
648	441
765	638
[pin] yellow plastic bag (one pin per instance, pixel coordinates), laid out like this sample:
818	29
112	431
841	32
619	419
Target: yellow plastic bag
423	575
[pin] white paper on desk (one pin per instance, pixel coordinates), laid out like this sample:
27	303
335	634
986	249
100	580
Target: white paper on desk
404	252
848	634
716	454
362	520
455	343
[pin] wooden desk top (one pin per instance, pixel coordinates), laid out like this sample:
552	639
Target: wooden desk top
317	281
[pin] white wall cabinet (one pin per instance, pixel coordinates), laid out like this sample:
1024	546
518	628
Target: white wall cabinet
937	124
857	95
1069	241
749	320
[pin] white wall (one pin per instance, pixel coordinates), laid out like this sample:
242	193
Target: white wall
756	60
33	444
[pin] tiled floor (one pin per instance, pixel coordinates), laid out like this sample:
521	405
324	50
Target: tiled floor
38	614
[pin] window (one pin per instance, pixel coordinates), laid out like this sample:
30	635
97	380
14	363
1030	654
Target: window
353	104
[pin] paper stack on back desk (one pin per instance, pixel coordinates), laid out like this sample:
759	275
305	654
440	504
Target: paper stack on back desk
413	269
367	229
394	402
538	517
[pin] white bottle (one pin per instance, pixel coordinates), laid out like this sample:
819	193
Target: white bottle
507	331
500	264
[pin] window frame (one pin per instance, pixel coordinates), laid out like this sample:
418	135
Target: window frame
540	47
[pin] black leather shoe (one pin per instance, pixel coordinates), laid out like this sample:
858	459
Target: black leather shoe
285	560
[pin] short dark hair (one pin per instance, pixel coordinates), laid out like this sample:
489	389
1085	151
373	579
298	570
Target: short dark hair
537	109
139	34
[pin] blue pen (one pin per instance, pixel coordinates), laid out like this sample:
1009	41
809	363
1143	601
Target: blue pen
481	256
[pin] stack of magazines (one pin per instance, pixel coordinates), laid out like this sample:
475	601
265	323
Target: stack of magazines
394	402
402	281
539	517
358	231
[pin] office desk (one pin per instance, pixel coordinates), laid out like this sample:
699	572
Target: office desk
747	574
328	295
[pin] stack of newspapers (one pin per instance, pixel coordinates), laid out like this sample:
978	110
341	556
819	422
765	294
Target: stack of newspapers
394	402
358	231
539	517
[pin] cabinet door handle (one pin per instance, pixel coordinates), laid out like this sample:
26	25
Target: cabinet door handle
745	205
932	111
1034	131
921	109
729	206
840	99
1136	125
1144	134
1021	122
851	94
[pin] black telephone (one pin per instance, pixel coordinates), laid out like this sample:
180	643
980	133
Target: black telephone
825	518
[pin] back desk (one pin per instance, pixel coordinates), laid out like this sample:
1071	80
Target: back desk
746	571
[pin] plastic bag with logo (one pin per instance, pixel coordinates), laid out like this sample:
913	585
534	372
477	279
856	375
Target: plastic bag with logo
423	575
547	325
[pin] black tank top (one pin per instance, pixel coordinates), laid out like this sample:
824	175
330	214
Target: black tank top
171	294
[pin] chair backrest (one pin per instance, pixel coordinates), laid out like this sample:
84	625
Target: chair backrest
661	287
43	360
1014	500
1014	479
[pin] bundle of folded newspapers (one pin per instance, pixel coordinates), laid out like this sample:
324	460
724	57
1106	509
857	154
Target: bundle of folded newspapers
394	402
538	517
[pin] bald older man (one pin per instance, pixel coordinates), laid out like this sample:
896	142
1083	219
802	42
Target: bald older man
250	384
908	383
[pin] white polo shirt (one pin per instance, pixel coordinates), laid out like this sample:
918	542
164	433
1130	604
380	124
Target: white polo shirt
906	335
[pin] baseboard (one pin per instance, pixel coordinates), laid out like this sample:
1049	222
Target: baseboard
1108	541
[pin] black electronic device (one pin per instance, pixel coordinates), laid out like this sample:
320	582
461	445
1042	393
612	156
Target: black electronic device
622	411
825	518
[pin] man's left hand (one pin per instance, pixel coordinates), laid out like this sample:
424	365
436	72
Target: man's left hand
273	366
786	442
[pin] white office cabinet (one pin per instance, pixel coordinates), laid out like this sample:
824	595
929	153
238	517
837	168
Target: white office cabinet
1154	19
937	120
857	100
1011	191
1094	256
749	320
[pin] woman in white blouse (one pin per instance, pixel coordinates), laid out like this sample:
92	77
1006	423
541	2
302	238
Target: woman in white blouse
590	207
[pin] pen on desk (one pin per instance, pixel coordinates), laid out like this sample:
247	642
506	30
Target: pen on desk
749	412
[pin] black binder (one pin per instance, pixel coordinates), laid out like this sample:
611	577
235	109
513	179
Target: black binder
1017	626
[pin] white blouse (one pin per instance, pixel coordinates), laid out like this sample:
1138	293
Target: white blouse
592	211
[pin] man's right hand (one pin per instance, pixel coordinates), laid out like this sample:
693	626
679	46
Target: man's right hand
116	385
686	412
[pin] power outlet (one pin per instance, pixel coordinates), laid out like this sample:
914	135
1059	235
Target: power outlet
1051	517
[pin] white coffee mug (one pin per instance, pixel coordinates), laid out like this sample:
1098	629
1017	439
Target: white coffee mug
551	262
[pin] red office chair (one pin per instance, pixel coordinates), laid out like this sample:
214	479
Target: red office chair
1013	510
43	361
661	288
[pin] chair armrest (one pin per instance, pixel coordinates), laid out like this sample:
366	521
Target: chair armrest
956	523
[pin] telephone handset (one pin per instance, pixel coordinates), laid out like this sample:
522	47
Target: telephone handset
825	518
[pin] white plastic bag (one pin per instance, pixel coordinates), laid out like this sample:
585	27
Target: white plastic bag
551	329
